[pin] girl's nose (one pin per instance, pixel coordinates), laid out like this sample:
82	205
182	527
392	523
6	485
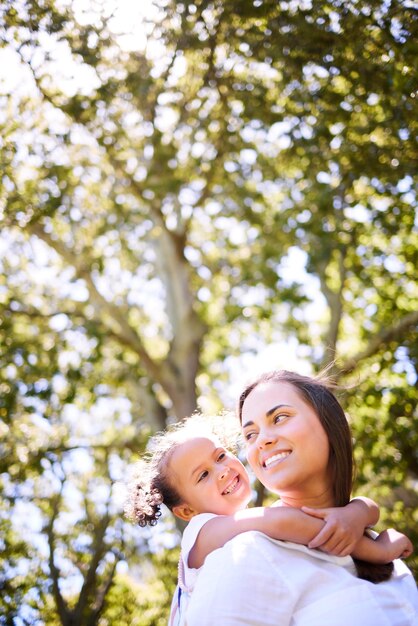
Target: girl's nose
224	472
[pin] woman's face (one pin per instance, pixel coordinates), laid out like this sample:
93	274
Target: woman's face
287	446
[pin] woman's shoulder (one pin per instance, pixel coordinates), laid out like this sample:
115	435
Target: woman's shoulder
403	580
280	555
291	547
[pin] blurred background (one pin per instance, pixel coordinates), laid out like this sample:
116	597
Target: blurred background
192	193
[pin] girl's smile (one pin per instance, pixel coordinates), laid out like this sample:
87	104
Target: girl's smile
232	486
208	478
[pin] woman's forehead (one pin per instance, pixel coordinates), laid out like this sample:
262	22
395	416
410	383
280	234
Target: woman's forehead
271	389
269	396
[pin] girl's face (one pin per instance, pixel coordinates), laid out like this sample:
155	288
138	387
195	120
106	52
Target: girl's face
208	478
287	447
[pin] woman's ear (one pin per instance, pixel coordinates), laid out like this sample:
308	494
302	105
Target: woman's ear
184	512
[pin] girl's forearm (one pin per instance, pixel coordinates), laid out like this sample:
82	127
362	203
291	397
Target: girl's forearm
286	523
368	549
370	510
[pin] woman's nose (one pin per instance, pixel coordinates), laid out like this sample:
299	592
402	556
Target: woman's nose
264	439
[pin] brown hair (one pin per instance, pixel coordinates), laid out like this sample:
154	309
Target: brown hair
317	392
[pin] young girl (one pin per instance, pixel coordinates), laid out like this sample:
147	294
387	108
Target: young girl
201	482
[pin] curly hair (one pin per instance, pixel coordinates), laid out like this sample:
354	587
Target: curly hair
151	484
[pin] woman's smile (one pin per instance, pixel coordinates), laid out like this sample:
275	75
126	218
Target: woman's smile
287	446
275	458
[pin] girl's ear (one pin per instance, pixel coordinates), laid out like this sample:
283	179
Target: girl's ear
184	512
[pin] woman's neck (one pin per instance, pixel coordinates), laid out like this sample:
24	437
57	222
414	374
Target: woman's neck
297	500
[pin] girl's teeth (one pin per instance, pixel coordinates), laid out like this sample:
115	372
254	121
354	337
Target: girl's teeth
232	486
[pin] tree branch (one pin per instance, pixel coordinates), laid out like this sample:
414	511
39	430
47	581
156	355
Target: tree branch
101	596
108	313
89	584
335	305
379	341
62	608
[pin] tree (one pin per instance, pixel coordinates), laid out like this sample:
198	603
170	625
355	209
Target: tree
182	204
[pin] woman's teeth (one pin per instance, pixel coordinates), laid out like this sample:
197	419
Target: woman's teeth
276	457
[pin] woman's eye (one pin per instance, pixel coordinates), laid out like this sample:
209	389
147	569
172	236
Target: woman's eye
278	418
249	436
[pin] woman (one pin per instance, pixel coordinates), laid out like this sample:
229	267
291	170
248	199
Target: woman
299	446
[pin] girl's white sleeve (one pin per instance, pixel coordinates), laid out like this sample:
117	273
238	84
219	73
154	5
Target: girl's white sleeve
187	575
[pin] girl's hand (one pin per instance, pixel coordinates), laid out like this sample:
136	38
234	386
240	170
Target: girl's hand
394	544
341	532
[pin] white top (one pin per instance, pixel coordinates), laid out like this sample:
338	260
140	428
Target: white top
257	581
187	575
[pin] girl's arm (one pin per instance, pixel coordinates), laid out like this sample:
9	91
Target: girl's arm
284	523
344	525
291	524
347	526
389	545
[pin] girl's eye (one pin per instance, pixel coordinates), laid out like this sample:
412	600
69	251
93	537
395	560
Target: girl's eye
202	476
221	456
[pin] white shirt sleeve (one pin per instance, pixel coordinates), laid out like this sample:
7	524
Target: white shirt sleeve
188	575
257	581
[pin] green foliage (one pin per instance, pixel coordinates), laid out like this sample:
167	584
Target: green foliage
384	422
146	603
169	210
18	573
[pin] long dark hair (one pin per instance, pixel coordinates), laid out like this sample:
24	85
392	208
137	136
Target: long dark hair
317	392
